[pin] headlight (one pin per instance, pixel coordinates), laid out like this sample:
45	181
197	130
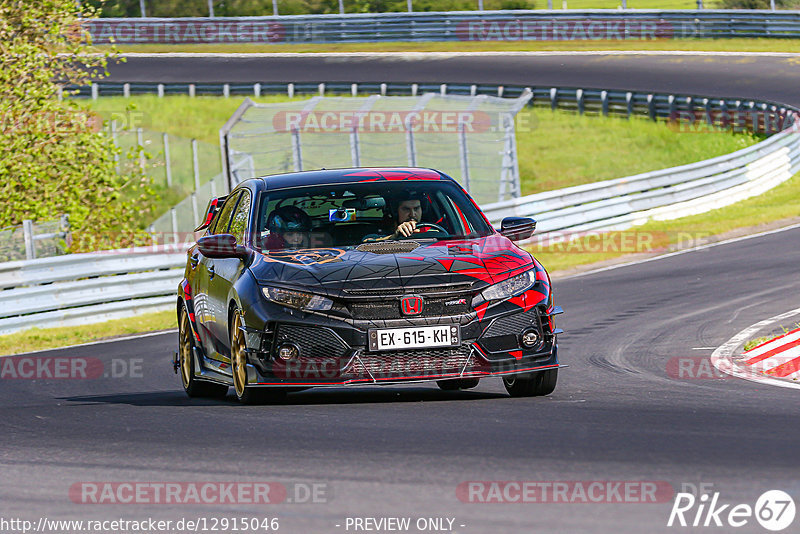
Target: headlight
510	287
297	299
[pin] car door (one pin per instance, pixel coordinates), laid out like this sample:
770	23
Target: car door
224	272
205	306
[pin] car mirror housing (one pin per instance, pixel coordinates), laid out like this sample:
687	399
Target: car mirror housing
517	228
221	246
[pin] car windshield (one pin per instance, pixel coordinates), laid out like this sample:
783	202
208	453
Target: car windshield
346	215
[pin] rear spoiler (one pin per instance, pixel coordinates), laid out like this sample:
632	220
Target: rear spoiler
211	212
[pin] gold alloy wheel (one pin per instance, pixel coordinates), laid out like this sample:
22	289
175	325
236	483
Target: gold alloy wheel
238	356
185	349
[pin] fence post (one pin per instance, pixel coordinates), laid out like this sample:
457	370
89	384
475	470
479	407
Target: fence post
195	211
191	90
321	88
579	98
226	90
256	90
174	217
116	145
95	91
411	147
355	148
161	90
414	89
195	165
604	102
651	107
553	98
30	246
126	90
353	89
463	155
167	163
297	150
629	103
290	90
140	142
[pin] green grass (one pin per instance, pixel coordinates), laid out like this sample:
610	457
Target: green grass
708	45
556	149
49	338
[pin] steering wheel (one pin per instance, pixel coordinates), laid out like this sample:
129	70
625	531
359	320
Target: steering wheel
426	225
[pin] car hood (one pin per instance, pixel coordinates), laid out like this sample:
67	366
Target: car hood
398	264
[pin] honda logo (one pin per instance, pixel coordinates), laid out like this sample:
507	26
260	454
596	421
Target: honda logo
411	305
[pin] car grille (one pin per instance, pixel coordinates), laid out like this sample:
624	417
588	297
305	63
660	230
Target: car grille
313	342
412	363
390	308
502	334
443	290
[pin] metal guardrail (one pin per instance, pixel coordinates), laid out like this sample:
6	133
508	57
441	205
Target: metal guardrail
90	287
529	25
34	239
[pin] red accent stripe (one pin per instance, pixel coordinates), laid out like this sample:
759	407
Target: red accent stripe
786	368
463	219
772	352
400	379
517	354
774	339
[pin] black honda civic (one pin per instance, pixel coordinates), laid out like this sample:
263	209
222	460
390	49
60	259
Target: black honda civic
361	276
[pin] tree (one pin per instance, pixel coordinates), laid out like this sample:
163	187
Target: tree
55	157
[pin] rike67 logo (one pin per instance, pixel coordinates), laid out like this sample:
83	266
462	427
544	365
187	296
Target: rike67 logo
774	510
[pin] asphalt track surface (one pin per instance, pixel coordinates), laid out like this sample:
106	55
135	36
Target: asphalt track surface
746	76
618	414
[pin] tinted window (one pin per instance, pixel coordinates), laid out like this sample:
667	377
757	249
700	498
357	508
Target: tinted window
344	215
224	218
240	217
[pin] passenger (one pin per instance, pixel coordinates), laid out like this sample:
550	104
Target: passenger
289	227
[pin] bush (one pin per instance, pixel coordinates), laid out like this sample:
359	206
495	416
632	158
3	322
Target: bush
55	157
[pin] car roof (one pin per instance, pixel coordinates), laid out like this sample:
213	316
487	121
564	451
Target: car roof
353	175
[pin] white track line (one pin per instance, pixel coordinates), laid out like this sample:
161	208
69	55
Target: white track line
685	251
448	55
722	358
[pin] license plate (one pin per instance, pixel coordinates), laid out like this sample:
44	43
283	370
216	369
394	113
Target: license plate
418	337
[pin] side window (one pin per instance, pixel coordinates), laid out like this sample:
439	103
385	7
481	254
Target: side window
240	218
224	218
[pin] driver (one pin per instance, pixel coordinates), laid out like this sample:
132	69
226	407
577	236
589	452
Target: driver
408	214
289	227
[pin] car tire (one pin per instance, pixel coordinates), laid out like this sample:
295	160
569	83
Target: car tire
457	383
186	363
531	385
245	393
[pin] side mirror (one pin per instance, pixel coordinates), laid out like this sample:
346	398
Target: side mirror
517	228
221	246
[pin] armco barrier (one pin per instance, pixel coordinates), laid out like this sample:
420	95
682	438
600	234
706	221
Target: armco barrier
452	26
84	288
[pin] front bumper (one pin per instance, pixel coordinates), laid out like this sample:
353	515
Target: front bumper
336	354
